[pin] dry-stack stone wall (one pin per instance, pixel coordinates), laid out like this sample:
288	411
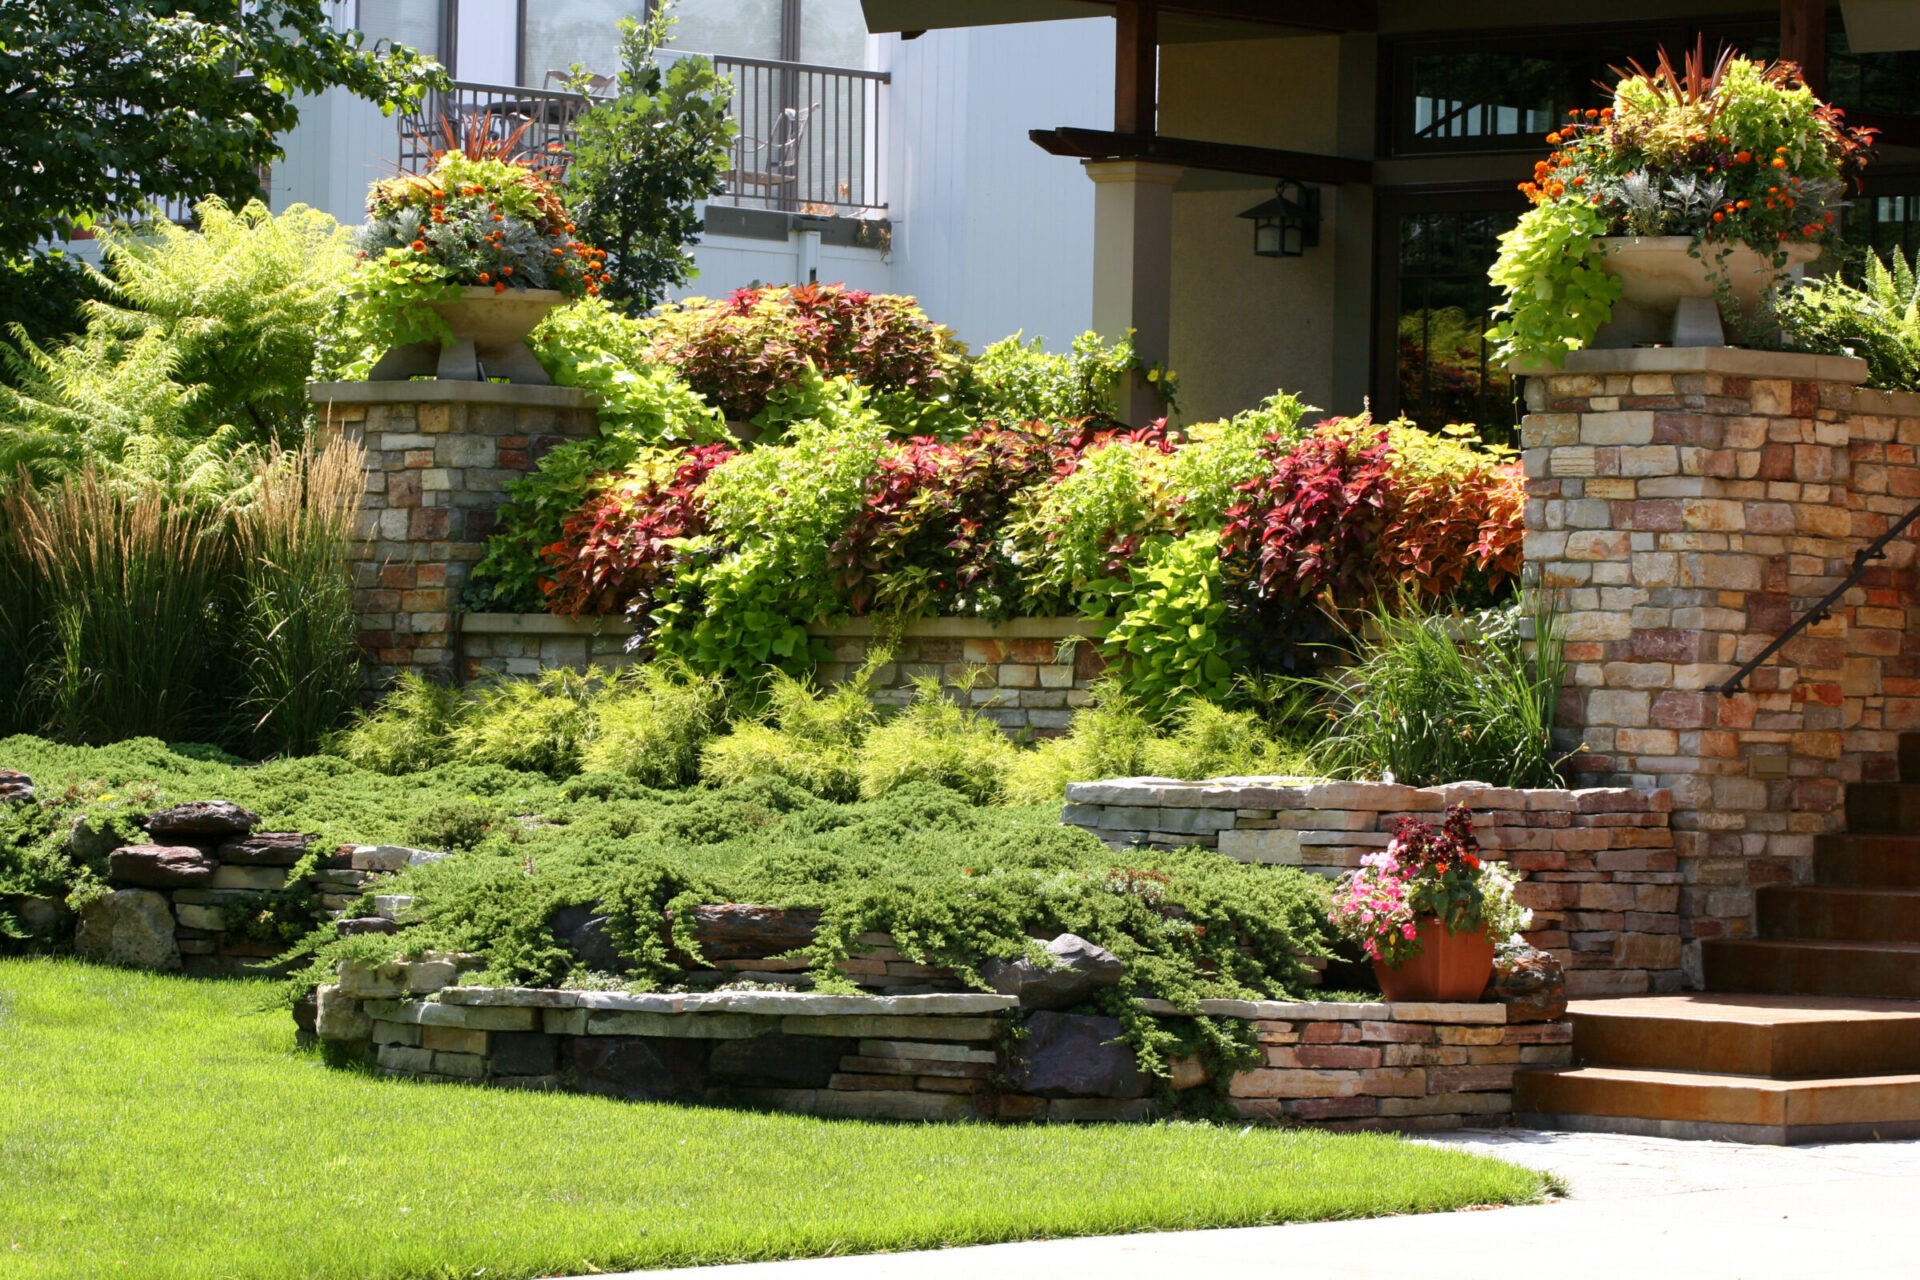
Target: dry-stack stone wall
1686	506
1598	865
961	1056
1028	675
439	456
181	899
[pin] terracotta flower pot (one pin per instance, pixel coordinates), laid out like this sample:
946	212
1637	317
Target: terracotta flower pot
1451	968
489	340
1667	295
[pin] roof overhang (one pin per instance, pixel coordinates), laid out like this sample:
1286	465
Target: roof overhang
1180	20
1880	26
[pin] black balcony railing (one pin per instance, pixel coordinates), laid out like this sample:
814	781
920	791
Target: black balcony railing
809	139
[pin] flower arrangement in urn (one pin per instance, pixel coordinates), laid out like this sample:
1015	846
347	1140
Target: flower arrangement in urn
482	222
1428	910
1701	177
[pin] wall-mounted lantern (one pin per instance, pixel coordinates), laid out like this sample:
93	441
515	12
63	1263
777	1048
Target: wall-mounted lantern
1289	224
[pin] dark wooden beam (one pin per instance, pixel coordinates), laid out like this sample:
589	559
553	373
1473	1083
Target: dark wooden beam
1803	39
1222	157
1309	15
1136	65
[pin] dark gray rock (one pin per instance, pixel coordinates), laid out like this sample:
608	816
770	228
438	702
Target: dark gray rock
161	866
200	819
1529	982
266	849
367	924
1071	1055
1079	969
132	928
779	1061
645	1067
743	931
15	787
88	843
522	1053
306	1015
582	929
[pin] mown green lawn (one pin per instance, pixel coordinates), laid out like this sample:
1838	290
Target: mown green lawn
150	1128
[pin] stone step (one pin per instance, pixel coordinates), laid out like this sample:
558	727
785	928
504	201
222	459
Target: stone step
1780	1037
1891	808
1867	861
1804	966
1910	757
1875	914
1727	1108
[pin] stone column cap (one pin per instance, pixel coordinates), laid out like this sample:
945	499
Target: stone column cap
439	391
1739	362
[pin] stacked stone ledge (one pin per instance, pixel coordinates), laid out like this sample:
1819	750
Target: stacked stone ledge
439	457
1028	675
1686	507
1598	865
174	901
927	1057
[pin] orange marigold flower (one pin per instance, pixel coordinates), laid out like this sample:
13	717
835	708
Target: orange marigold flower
1719	216
485	278
418	246
1592	114
499	286
1744	157
1779	162
506	271
1553	138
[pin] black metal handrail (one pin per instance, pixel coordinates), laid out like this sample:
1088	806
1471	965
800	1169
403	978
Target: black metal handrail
1823	609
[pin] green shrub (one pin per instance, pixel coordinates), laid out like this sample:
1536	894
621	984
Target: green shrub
1015	382
809	739
1076	536
1437	698
1877	320
1168	643
459	824
936	739
411	729
539	726
589	345
651	725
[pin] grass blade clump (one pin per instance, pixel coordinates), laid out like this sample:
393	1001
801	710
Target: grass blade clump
132	586
540	725
650	725
1435	698
294	625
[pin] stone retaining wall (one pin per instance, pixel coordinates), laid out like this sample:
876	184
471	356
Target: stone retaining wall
928	1057
1028	674
1598	865
1686	506
439	456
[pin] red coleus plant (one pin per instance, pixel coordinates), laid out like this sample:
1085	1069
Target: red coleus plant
1313	521
738	352
616	551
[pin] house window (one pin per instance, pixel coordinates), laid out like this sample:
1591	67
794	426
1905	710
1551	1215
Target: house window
1437	364
1476	95
1887	218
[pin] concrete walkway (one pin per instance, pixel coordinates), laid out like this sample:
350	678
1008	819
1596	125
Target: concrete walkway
1642	1208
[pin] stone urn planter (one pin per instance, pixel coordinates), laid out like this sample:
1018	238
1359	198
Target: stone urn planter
1452	968
489	340
1668	295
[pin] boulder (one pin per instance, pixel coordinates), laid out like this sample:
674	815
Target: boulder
1529	982
266	849
582	929
646	1067
742	931
132	928
367	924
15	787
779	1061
161	866
1077	970
340	1017
202	819
88	843
1071	1055
38	916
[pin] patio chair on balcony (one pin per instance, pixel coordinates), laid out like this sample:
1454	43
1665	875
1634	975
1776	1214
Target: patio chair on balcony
770	166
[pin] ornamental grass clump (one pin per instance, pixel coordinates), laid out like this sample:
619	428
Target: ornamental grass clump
1729	154
1425	873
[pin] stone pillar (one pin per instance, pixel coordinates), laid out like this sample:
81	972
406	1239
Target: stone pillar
1686	505
1133	266
439	456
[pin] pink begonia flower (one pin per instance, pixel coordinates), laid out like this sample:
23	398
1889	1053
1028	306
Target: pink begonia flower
1407	931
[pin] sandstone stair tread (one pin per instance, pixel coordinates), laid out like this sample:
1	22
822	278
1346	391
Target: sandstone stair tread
1856	860
1813	966
1700	1097
1778	1036
1840	913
